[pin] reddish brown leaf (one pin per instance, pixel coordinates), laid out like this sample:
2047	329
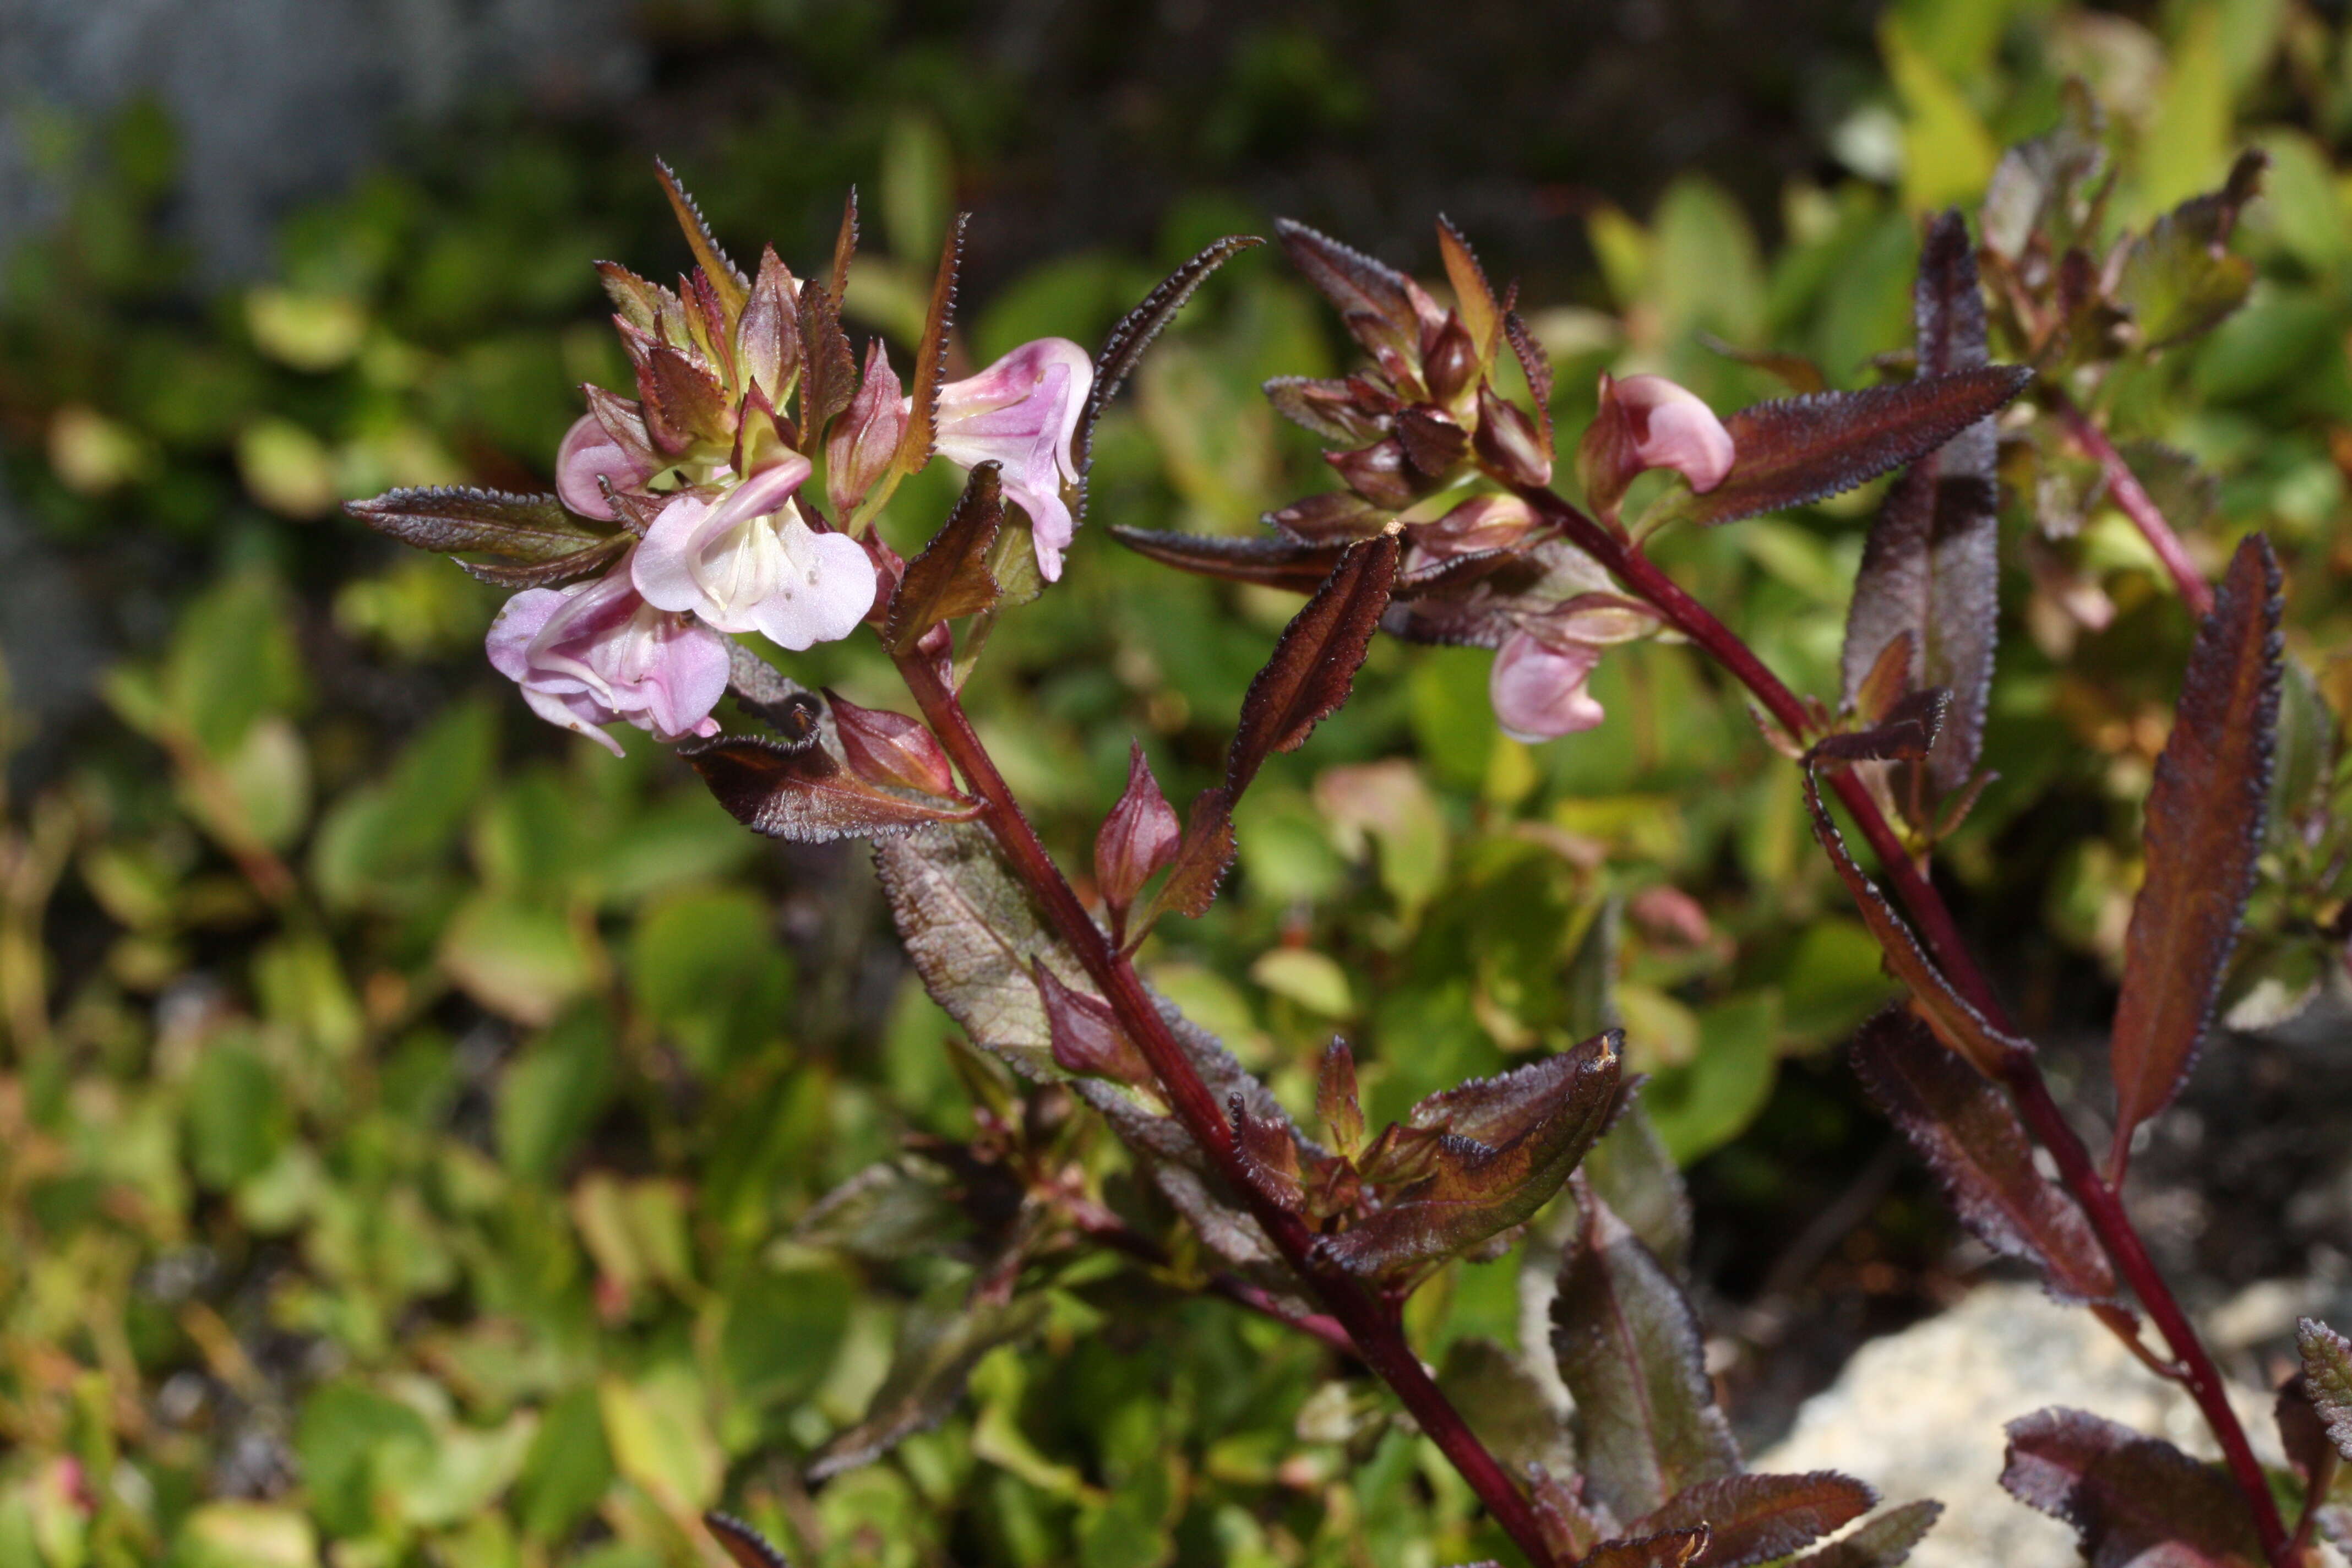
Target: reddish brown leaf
768	340
2328	1380
1751	1518
1271	563
802	793
1315	660
532	529
581	563
1799	449
744	1545
1335	1099
1906	731
1473	296
725	281
845	246
2124	1493
1373	298
829	371
1629	1350
1970	1137
1882	1542
2204	829
950	577
1955	1021
931	355
1138	839
1671	1550
1479	1160
1537	366
1930	566
1432	442
1123	349
1332	409
1332	518
682	404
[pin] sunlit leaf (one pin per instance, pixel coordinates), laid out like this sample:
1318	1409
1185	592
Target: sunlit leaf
2327	1378
950	578
1884	1541
732	288
940	1339
1751	1518
803	793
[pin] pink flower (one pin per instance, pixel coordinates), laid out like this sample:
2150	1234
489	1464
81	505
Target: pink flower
595	653
1022	412
587	452
749	564
1537	687
1648	421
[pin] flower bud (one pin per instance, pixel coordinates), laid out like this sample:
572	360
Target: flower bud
1452	362
863	441
1138	838
1376	472
886	748
1477	525
1509	444
1085	1036
1647	422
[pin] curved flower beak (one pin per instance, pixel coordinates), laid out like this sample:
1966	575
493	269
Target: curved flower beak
1022	413
595	653
1648	421
588	452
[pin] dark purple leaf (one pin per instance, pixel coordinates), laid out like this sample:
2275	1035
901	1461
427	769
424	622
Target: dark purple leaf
1954	1019
1672	1550
683	403
1513	447
931	355
1799	450
745	1546
529	530
1906	732
1335	517
1930	567
725	281
1373	300
829	375
2204	830
1751	1518
1537	366
1478	1159
1882	1542
950	578
1334	410
1205	855
1964	1127
1432	442
1315	660
2328	1380
802	793
2124	1493
1123	349
1138	839
1271	563
1629	1350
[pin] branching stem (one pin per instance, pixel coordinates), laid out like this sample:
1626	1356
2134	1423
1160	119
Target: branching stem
1370	1323
2100	1202
2137	503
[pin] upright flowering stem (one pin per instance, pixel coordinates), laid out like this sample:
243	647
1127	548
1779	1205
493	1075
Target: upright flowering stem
2102	1203
1372	1324
2137	503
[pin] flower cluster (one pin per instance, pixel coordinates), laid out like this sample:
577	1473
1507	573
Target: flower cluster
693	503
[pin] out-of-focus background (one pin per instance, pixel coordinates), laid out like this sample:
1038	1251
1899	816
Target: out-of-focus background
410	1116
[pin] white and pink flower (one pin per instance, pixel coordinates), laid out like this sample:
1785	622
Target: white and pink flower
1022	413
1647	422
595	653
748	561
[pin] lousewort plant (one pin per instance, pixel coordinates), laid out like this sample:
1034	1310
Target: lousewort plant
735	497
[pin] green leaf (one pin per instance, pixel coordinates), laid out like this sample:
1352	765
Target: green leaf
659	1433
1947	154
1632	1170
1702	1104
237	1116
940	1339
781	1333
348	1436
518	960
706	968
382	834
2180	279
231	659
568	1468
553	1093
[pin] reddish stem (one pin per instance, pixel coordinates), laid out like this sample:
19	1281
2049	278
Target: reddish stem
2137	503
2100	1202
1372	1324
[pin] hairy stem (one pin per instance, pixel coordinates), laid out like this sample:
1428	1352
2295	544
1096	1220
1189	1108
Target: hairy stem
2136	503
2023	1074
1372	1324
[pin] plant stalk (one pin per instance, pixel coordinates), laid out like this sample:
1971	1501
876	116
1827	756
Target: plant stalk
1372	1324
2137	503
2102	1203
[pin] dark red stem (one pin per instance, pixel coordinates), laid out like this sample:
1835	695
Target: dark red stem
2100	1202
1373	1325
2137	503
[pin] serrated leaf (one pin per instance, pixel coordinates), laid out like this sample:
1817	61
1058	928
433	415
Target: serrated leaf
1906	731
1753	1518
2328	1380
1315	662
975	937
1970	1137
1269	561
1930	566
1123	349
683	403
725	281
1882	1542
1796	451
802	794
530	529
950	578
2205	816
1204	856
829	371
1536	365
1373	298
1326	407
939	1341
1473	295
2125	1494
744	1546
2179	278
1629	1351
1671	1550
581	563
1632	1172
1954	1019
1487	1155
931	354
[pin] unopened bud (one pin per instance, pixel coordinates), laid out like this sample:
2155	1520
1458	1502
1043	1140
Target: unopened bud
1085	1036
1452	361
1377	473
768	338
863	441
1138	838
886	748
1336	1101
1477	525
1509	443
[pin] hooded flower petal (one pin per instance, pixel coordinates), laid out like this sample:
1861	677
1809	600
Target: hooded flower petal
597	653
588	451
1538	692
1023	412
1672	427
749	562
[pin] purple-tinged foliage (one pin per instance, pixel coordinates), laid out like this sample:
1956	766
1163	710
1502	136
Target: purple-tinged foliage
2204	830
1668	1548
1138	839
2328	1380
744	1546
803	793
1752	1519
950	578
2125	1494
1881	1543
890	749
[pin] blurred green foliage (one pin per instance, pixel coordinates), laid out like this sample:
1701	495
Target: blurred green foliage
408	1114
